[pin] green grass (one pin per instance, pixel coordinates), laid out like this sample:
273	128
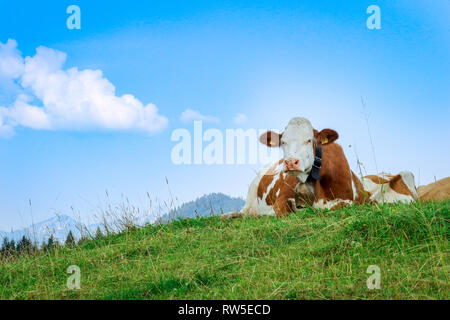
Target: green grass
309	255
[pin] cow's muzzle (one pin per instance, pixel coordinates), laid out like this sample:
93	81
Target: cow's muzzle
292	165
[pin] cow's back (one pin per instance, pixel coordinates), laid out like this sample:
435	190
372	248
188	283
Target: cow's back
436	191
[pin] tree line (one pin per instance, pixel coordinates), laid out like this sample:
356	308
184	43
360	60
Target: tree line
10	248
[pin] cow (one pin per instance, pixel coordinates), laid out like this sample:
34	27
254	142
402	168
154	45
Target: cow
385	187
436	191
313	172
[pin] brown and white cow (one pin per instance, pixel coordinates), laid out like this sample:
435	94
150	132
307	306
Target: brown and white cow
385	187
300	179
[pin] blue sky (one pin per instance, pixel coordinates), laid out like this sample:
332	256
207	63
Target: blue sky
267	60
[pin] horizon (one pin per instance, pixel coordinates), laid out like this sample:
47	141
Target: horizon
149	69
60	225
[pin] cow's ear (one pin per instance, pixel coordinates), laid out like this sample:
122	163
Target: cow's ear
271	139
326	136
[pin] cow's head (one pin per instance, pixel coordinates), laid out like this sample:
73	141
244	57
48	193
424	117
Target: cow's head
298	142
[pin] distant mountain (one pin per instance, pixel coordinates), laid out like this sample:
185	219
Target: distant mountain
58	226
205	206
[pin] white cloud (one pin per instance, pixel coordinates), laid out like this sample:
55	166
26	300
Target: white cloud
6	131
69	99
24	114
192	115
11	61
240	118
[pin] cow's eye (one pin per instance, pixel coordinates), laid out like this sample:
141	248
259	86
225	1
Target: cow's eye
308	142
283	142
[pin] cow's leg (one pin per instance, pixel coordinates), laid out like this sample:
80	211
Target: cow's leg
332	204
341	204
284	206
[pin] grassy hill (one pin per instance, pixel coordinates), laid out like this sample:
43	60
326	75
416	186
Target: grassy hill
309	255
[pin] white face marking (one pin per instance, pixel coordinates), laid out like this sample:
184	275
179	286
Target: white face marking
297	143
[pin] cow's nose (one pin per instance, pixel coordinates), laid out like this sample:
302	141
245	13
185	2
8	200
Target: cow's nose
292	164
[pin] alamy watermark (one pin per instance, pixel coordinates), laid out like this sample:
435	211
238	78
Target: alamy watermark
74	20
214	146
74	281
374	281
374	20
